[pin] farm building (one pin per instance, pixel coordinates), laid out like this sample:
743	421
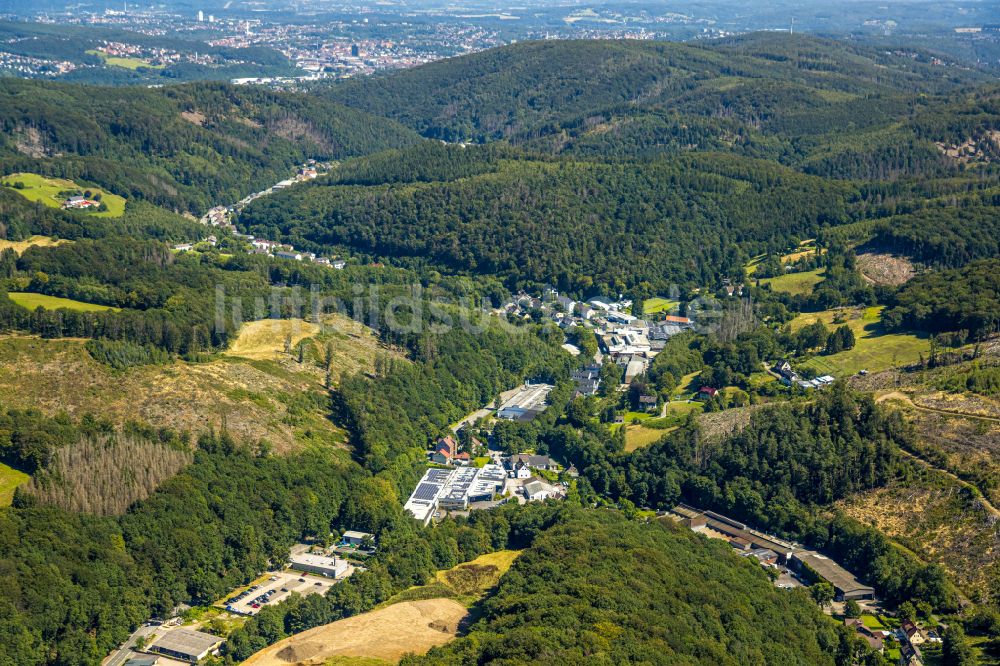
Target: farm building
536	490
186	645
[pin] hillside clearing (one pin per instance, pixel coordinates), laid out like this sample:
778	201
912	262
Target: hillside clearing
467	582
125	63
387	633
935	517
33	301
40	241
276	400
414	620
53	191
656	304
639	436
874	350
266	338
888	269
797	284
10	479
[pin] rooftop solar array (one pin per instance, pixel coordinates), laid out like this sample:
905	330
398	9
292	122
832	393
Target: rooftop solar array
426	491
453	489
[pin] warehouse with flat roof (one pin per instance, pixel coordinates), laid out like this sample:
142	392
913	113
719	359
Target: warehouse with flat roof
186	645
846	586
526	404
331	567
454	489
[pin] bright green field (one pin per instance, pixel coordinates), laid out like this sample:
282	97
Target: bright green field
795	283
47	191
657	304
31	301
874	351
872	622
10	479
127	63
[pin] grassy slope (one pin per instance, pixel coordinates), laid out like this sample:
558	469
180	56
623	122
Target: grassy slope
874	350
127	63
276	398
400	624
639	436
658	304
798	284
31	301
20	246
47	191
10	479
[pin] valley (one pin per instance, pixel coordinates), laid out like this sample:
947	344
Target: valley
566	351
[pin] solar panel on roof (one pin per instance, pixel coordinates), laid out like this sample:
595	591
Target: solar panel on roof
425	491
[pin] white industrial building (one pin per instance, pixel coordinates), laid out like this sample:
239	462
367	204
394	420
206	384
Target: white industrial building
526	404
331	567
454	489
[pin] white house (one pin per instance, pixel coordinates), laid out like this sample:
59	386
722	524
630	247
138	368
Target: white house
536	491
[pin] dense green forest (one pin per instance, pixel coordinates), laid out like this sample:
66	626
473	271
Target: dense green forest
397	414
539	88
579	225
958	299
942	237
779	472
136	142
602	589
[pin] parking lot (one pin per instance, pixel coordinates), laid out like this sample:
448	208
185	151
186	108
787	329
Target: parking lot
277	586
787	580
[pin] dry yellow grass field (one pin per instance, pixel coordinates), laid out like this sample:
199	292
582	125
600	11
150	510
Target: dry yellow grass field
40	241
265	339
639	436
260	397
414	620
387	633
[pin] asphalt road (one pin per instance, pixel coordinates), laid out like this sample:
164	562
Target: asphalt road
125	652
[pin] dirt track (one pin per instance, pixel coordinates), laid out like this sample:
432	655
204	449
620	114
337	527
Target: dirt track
902	397
387	633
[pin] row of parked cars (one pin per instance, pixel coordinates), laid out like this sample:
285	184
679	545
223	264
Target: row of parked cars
255	603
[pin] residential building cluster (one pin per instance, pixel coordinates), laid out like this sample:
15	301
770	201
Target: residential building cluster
630	341
222	217
29	67
789	377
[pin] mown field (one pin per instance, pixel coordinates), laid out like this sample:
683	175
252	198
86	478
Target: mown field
10	479
657	304
40	241
33	301
795	283
874	350
413	621
53	191
639	436
126	63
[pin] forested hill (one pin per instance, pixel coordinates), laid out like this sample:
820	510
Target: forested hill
597	588
185	147
757	83
577	224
